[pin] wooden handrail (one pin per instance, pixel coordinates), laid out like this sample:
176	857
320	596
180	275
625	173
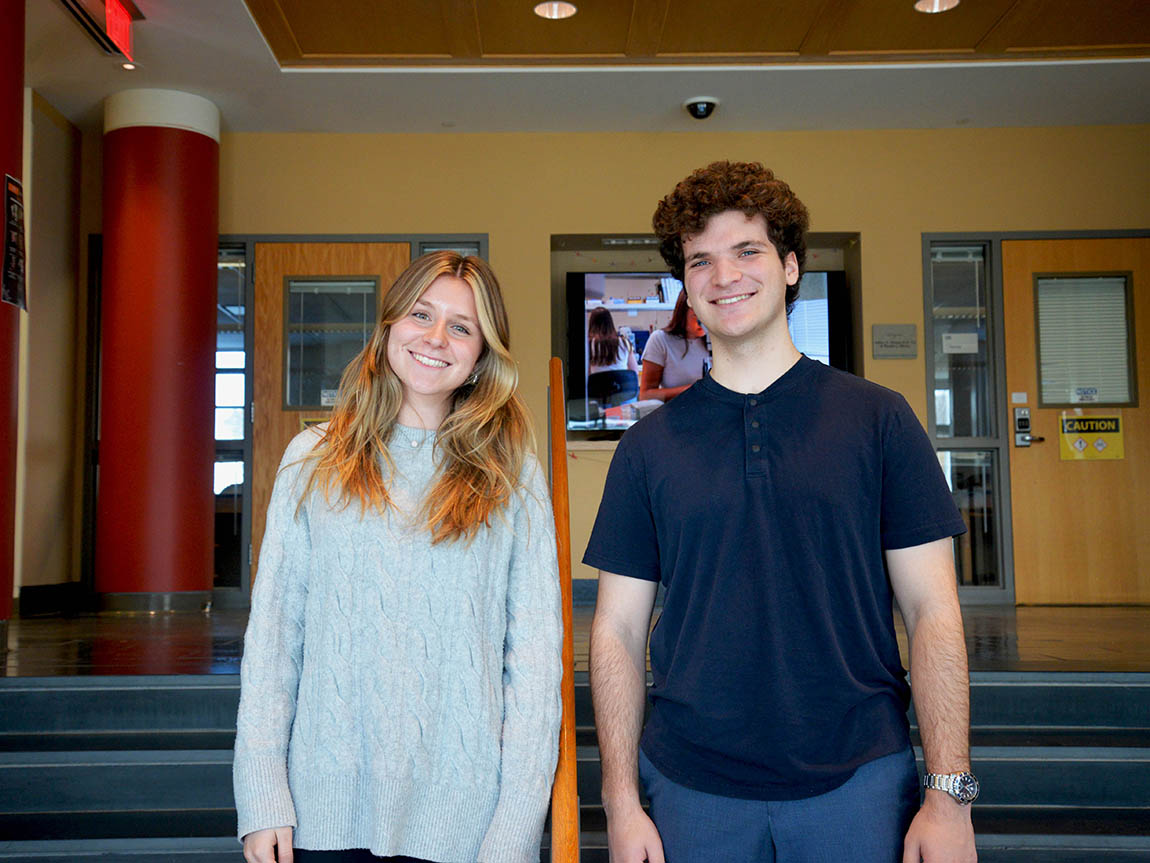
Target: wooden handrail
565	791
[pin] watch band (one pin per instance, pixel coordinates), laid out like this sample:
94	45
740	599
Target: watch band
963	787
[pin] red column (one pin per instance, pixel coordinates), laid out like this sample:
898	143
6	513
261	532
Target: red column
11	162
154	525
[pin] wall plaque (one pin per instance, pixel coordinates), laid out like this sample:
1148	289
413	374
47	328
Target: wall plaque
894	341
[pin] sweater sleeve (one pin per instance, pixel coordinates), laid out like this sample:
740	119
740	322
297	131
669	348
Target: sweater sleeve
273	654
532	672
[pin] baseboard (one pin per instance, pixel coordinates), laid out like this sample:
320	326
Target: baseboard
46	600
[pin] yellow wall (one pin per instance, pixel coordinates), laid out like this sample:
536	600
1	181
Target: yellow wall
890	186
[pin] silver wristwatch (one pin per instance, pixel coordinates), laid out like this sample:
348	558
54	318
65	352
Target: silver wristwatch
963	787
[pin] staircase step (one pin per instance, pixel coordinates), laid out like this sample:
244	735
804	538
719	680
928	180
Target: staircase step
1062	820
593	849
120	780
1000	701
1093	737
1130	738
1011	776
178	850
1059	699
117	824
1054	848
118	739
1062	849
1061	776
988	820
199	702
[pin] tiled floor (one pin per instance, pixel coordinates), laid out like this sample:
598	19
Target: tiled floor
998	639
186	643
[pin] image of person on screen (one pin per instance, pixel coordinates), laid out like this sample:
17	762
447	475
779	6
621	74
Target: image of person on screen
399	692
675	356
785	506
607	348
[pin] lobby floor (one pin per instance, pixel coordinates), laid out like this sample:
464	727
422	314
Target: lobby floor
1077	638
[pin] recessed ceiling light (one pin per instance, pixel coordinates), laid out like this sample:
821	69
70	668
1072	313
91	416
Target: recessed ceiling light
128	66
555	11
932	6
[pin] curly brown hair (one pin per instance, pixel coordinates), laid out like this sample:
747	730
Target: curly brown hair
722	186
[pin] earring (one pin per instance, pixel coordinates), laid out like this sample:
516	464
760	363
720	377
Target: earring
472	379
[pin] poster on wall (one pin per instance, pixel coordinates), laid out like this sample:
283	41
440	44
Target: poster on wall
12	287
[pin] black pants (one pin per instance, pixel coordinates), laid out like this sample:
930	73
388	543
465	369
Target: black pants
359	855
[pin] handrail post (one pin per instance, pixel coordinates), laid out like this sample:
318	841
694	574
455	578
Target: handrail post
565	791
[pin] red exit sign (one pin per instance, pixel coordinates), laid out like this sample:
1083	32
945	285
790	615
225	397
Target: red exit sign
118	26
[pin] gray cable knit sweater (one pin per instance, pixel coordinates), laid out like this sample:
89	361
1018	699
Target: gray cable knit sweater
399	696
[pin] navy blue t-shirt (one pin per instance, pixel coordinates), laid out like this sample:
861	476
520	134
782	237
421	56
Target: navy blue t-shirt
775	664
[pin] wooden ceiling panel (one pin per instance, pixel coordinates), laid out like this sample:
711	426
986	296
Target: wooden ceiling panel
737	27
495	32
599	29
894	27
1070	25
365	28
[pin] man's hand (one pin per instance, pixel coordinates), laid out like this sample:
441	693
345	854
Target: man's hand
941	832
268	846
632	837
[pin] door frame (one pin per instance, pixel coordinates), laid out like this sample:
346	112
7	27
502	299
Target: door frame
1003	440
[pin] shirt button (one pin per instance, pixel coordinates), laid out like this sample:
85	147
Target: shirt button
754	402
754	447
754	424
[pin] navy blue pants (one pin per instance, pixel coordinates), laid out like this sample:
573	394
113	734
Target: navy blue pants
865	818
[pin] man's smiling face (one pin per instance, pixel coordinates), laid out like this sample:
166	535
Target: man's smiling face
734	278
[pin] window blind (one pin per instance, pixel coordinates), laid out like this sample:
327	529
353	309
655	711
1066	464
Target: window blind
1083	340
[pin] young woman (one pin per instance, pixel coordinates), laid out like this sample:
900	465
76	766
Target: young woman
400	681
607	349
675	356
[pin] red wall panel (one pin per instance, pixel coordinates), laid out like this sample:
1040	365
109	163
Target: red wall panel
11	162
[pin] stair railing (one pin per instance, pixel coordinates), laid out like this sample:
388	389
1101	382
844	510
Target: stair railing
565	791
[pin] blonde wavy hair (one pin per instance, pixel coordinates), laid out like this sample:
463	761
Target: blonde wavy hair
481	444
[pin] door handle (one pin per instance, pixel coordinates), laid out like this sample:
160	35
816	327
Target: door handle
1033	438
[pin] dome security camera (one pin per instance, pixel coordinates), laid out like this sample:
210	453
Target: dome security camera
700	107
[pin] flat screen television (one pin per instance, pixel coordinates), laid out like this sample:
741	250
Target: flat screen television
642	302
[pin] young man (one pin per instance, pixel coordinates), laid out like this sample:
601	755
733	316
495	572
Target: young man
783	504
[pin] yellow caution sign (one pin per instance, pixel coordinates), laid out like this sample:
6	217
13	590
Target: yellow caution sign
1092	437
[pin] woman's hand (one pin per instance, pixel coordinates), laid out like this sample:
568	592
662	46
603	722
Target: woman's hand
268	846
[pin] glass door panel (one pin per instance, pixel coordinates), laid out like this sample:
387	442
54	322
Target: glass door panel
328	322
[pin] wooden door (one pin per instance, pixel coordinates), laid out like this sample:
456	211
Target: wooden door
273	425
1080	533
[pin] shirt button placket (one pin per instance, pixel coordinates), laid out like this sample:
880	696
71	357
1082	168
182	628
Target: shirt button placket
756	460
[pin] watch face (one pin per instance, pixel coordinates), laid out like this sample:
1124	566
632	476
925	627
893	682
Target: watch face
965	787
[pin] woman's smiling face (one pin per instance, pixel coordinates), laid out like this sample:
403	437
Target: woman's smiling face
434	348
